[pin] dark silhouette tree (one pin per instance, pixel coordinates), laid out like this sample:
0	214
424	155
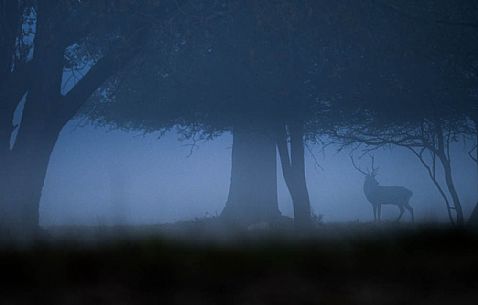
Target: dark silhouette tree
245	67
105	36
223	75
427	102
279	74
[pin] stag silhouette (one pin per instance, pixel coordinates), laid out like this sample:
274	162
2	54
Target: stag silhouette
377	194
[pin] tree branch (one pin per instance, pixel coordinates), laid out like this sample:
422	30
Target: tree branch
432	175
125	50
470	153
98	74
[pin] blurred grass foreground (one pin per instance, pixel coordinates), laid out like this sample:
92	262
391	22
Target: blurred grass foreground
185	263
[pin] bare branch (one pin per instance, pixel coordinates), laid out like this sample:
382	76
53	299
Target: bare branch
470	153
316	162
432	174
373	170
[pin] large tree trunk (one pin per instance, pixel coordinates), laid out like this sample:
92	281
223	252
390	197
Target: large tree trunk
302	204
39	128
10	85
253	189
293	169
27	171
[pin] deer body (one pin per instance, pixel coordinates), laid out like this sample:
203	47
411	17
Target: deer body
377	194
394	195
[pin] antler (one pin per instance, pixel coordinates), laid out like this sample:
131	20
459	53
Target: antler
356	167
374	169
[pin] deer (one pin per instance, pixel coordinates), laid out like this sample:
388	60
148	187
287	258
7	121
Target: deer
377	194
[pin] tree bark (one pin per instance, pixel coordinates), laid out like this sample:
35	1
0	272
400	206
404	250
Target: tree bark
473	220
302	204
27	171
10	24
253	188
453	192
293	169
39	129
446	163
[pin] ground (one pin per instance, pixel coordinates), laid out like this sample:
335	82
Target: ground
192	263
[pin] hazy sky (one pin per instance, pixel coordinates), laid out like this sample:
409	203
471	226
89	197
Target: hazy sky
104	177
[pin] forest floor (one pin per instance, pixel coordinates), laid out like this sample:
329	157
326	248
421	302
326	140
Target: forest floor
202	262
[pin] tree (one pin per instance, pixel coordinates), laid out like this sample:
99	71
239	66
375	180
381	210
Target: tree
291	71
426	96
261	70
66	32
222	75
13	80
456	24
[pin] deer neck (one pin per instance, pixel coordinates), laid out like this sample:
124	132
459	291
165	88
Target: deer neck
369	187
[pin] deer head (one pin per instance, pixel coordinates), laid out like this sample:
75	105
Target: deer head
370	174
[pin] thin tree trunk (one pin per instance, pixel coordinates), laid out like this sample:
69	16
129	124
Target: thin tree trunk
253	188
454	194
293	169
444	158
473	220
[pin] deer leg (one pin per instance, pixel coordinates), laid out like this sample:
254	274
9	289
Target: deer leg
401	212
379	212
374	206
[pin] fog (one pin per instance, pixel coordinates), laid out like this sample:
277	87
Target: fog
99	176
239	152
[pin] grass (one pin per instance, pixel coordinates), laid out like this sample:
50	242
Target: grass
190	263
